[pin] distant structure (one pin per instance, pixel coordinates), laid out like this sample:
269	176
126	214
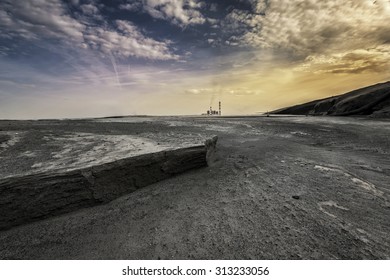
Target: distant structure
212	112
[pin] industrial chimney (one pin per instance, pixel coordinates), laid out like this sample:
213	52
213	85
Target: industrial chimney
219	113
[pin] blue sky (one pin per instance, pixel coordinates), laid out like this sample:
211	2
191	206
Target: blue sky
95	58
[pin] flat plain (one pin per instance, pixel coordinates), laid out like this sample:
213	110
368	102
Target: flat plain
278	187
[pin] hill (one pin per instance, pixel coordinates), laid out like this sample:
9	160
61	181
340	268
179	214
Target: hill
373	100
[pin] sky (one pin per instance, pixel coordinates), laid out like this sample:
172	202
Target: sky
92	58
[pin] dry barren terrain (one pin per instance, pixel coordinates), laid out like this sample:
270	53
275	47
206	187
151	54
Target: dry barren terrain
278	188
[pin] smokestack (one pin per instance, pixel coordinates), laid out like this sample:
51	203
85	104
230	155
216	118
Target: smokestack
219	113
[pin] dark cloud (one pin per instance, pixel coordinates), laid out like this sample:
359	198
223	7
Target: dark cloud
44	20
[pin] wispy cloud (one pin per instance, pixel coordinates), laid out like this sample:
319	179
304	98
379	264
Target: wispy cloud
178	12
357	61
126	41
34	19
89	9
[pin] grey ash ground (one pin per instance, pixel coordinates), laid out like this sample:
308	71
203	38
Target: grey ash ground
279	188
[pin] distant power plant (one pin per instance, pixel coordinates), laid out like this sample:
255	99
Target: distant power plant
212	112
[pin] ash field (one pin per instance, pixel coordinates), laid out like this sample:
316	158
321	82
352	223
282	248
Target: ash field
278	187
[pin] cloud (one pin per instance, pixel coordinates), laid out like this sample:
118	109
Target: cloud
4	50
306	27
213	7
244	91
178	12
32	19
357	61
127	41
134	6
89	9
334	37
239	24
51	19
206	91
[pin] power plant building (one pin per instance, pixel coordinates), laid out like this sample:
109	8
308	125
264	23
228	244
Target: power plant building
212	112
